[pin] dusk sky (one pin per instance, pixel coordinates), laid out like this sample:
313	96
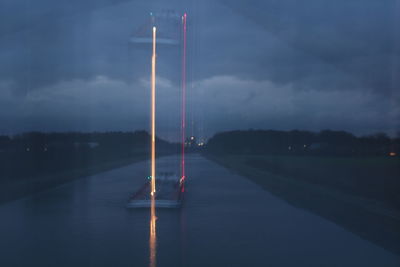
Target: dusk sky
68	66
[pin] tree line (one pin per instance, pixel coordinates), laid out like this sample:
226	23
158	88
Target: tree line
33	154
296	142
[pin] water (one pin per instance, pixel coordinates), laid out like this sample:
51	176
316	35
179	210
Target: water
226	221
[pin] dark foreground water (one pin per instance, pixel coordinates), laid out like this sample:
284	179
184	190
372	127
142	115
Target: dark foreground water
226	221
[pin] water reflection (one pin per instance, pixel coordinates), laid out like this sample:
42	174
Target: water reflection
182	228
153	234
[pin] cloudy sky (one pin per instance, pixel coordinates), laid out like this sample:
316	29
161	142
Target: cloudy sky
312	65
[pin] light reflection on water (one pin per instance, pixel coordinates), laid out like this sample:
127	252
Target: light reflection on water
85	223
153	235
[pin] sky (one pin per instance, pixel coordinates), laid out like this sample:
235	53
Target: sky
308	65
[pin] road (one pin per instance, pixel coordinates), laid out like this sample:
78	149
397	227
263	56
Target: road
226	221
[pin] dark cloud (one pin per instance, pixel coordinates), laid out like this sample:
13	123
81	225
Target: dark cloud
355	37
254	64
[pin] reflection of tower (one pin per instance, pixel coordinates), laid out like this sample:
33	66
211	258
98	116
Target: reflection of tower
169	50
153	234
168	29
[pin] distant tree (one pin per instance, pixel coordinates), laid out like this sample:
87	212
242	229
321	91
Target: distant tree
4	141
296	142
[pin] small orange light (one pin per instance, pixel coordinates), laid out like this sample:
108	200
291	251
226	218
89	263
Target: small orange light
392	154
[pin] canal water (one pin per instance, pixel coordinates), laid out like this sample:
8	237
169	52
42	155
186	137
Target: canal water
225	221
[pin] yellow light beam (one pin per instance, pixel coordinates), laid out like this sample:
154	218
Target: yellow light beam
153	116
153	218
153	235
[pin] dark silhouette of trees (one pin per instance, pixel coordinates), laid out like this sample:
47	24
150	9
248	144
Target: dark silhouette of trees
34	154
326	142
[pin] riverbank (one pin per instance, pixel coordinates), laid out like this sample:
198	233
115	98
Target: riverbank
30	185
13	190
371	218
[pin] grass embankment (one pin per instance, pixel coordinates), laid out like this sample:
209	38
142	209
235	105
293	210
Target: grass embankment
359	194
23	187
11	190
35	161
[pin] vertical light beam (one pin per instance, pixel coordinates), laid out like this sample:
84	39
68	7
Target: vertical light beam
153	218
153	116
183	101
